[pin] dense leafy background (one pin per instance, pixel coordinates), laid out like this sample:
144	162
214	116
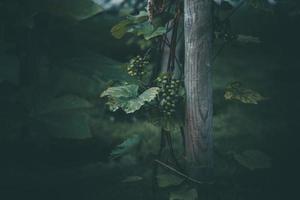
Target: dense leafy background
59	140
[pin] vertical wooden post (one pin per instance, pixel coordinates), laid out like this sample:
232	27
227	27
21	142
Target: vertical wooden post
198	85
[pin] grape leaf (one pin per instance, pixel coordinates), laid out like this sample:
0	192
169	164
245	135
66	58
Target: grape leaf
157	32
120	29
166	180
62	104
138	25
131	179
126	146
124	26
253	159
65	125
127	98
235	91
78	10
184	194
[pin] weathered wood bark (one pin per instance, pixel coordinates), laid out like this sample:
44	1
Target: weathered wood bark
198	85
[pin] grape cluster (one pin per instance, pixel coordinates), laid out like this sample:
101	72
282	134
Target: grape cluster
136	66
168	97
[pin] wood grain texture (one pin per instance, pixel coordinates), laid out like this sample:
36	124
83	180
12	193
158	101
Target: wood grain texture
198	83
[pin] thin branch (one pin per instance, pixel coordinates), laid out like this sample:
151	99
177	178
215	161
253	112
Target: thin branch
170	144
219	51
183	138
181	174
234	11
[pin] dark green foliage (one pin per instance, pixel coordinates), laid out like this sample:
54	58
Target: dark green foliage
235	91
57	138
139	26
168	180
126	146
184	194
253	159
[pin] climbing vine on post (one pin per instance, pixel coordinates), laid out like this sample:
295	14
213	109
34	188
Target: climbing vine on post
177	96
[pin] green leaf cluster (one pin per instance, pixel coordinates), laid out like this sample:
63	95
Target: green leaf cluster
184	194
167	180
127	97
183	191
235	91
253	159
126	146
138	25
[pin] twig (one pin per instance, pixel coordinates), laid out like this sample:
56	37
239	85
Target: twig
180	173
169	141
219	51
233	11
183	139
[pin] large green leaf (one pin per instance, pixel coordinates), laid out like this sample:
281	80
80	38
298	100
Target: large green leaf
184	194
86	75
132	179
65	125
157	32
63	117
124	91
120	29
139	26
253	159
147	30
62	104
78	9
127	98
142	16
126	146
235	91
167	180
95	66
70	81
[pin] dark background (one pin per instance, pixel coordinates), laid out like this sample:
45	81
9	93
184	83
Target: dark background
56	135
